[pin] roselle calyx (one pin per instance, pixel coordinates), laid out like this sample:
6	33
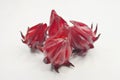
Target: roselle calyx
58	50
35	36
58	41
56	22
82	37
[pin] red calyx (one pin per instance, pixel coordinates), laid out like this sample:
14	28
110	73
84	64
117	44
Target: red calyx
58	50
35	36
56	22
61	41
82	37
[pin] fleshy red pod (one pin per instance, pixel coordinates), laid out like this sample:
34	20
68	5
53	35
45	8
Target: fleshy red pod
58	50
82	37
35	35
56	22
84	29
61	41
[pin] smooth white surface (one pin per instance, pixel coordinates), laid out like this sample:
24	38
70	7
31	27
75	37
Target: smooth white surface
101	63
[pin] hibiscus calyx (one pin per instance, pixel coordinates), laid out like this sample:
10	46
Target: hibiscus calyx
58	41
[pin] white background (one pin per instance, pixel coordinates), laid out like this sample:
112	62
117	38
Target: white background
16	60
